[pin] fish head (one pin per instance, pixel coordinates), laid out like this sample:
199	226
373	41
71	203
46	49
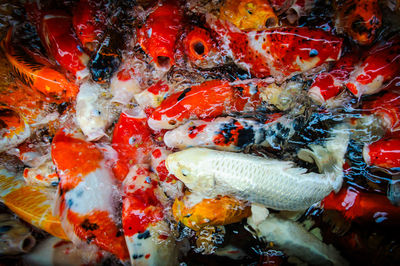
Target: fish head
191	167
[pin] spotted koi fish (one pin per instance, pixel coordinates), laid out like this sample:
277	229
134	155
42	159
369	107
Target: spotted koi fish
37	72
158	35
207	100
281	53
86	194
147	234
153	95
231	134
379	67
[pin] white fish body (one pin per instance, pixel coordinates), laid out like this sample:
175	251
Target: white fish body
274	183
93	112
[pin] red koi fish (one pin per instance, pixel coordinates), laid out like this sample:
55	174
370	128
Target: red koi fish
198	44
160	32
367	207
327	85
281	53
360	19
88	22
86	194
57	36
147	234
207	100
387	107
380	66
132	141
384	152
34	71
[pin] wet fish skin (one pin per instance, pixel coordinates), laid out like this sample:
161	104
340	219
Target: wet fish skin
274	183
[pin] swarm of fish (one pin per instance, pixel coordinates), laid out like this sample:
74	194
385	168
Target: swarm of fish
128	121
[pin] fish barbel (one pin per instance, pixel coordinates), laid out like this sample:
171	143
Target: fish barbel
274	183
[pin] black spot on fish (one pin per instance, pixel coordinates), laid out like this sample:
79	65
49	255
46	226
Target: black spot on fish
118	234
88	226
144	235
70	203
245	137
90	238
183	94
135	257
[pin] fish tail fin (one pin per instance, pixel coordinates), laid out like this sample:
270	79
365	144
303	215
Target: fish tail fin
329	157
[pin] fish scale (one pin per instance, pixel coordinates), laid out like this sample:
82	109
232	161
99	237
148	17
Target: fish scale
276	184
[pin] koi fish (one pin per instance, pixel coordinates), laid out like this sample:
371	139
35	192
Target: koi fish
107	58
329	84
198	44
197	214
249	14
380	66
88	22
56	33
281	53
231	134
93	113
147	234
132	141
14	128
274	183
15	237
362	206
171	186
386	107
153	95
384	152
86	194
158	35
36	72
299	242
207	100
31	203
125	84
360	19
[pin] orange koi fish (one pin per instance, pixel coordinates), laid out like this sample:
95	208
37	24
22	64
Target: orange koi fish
379	67
360	19
160	32
33	71
86	194
362	206
132	142
198	44
327	85
14	128
207	100
281	53
147	234
221	210
31	203
249	14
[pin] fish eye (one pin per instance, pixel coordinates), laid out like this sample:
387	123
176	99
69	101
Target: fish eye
184	172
